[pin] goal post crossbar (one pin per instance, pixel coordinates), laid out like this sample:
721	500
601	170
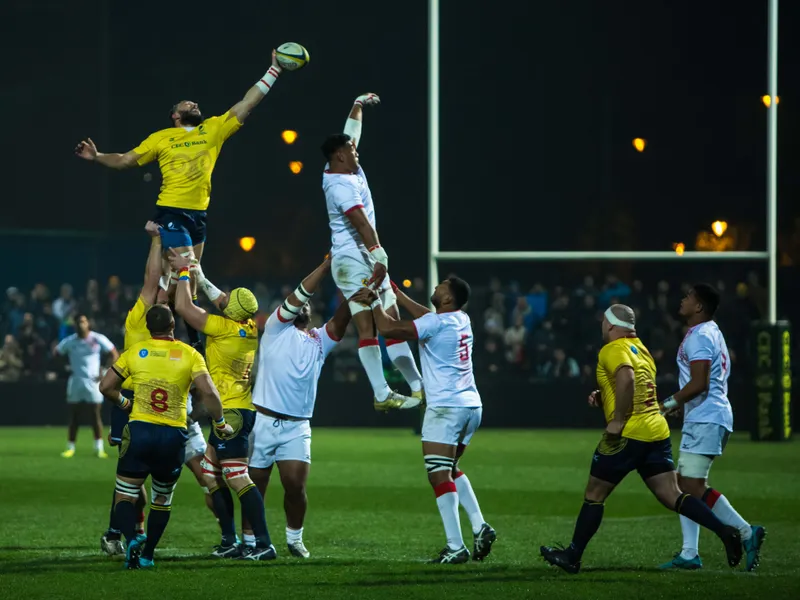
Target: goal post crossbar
499	256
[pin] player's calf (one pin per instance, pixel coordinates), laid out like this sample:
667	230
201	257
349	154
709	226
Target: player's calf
237	478
160	509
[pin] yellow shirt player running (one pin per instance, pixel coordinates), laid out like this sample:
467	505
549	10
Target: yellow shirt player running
153	443
186	153
231	344
636	438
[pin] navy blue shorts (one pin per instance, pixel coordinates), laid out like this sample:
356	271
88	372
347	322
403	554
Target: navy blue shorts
119	418
237	445
615	457
150	449
180	227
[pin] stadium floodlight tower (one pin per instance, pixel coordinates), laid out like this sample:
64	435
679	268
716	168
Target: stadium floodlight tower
772	341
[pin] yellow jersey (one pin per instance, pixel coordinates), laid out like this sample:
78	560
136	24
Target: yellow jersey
162	370
645	422
135	330
186	159
230	350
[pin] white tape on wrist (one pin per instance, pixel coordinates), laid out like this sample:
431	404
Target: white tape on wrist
612	318
375	304
268	80
380	256
670	404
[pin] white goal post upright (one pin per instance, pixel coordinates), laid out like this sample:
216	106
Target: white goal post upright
435	254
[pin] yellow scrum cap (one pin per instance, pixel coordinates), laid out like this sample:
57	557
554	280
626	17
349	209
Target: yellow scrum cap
242	305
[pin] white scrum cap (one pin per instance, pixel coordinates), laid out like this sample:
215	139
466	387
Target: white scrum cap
620	315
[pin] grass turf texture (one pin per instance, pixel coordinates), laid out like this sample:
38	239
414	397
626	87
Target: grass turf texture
372	522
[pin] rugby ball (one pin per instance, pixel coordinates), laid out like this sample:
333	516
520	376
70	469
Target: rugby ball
292	56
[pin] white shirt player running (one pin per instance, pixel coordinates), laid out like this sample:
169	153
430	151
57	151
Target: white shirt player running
445	350
706	342
289	364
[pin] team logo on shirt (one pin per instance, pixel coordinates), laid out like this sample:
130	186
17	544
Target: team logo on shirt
143	353
242	333
634	350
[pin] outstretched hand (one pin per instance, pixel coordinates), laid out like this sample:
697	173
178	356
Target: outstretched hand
365	296
368	99
86	149
152	229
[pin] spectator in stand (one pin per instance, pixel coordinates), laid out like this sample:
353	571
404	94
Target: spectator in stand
587	288
524	311
537	300
65	304
614	289
113	297
560	314
514	340
47	325
11	363
90	304
638	297
33	346
494	316
39	295
542	342
560	366
16	310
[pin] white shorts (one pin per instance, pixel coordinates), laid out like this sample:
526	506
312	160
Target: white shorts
276	440
83	390
351	272
195	443
451	425
700	444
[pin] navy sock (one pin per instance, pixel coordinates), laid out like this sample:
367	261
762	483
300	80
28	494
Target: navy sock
253	509
156	524
223	507
586	526
126	519
113	528
698	512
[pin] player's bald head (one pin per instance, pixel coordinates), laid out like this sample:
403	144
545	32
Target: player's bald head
619	321
159	320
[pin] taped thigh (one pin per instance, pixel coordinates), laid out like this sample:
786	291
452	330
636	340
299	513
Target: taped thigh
232	469
436	462
694	466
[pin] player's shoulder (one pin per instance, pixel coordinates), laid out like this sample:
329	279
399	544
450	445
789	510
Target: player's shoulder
162	134
618	350
334	182
71	337
706	333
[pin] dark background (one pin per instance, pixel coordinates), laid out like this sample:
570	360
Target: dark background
540	102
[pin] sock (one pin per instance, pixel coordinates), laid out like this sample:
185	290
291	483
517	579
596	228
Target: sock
70	445
294	535
249	539
126	519
586	526
447	501
691	538
467	498
156	524
400	354
98	444
253	510
223	508
369	353
113	528
699	513
720	506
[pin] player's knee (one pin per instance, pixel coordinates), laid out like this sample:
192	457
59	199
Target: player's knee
693	471
236	474
161	493
126	492
439	468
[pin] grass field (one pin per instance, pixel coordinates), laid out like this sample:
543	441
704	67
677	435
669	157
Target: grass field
373	521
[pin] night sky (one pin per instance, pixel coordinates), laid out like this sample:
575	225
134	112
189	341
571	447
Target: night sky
540	102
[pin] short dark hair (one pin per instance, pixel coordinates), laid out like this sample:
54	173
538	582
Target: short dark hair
334	142
159	319
460	290
708	296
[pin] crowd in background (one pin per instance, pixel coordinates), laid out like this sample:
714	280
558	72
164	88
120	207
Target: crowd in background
538	333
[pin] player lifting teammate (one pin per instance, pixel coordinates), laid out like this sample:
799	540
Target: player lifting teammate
454	409
636	438
704	365
186	153
153	443
290	359
232	342
359	259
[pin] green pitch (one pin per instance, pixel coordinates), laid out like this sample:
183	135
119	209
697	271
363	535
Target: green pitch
373	521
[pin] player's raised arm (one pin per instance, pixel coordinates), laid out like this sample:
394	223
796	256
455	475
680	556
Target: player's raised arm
152	272
352	126
413	308
256	94
88	151
387	326
358	219
337	326
194	316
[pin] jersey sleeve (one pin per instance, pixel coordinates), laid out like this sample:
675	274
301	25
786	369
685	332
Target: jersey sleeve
136	314
345	196
224	126
427	326
63	345
121	367
328	341
613	357
198	365
217	326
147	150
275	324
699	347
106	344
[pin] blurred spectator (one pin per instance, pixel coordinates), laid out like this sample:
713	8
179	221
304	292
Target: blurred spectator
587	288
514	340
65	304
39	295
11	363
33	346
537	300
560	366
113	296
494	316
523	311
542	342
47	325
614	291
560	313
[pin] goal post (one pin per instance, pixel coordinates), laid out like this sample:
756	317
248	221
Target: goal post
771	339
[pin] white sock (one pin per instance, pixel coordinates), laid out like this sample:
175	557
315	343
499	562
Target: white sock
402	358
294	535
70	445
249	540
369	353
447	501
691	538
728	515
98	444
467	498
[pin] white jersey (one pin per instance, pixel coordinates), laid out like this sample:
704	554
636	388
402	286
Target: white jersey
445	351
705	342
289	364
344	193
84	353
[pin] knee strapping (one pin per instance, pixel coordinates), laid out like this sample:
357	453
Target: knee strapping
209	467
129	490
166	490
435	463
233	470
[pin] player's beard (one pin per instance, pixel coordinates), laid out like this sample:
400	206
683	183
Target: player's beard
435	301
191	119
